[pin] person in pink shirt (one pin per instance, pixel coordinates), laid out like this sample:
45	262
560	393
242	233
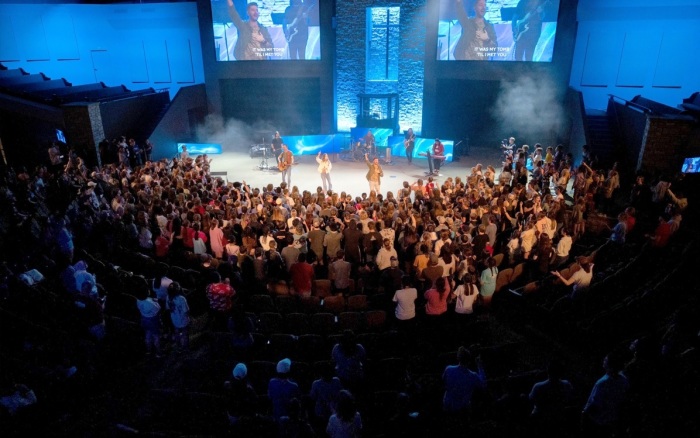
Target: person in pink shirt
436	298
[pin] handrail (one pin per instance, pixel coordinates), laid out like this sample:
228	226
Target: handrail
633	104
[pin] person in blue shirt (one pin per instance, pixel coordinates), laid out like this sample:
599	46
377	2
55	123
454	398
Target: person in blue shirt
461	382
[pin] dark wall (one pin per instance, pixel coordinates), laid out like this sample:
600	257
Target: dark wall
134	117
289	105
187	109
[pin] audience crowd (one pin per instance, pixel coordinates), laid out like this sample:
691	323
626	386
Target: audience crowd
439	258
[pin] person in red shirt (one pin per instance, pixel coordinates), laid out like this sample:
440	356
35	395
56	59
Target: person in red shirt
438	150
162	245
662	233
302	274
220	295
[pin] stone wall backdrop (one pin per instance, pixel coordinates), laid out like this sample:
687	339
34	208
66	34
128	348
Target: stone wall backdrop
351	72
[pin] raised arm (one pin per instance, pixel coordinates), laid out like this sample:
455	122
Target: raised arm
235	17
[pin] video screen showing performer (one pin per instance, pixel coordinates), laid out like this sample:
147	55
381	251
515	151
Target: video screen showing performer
497	30
246	30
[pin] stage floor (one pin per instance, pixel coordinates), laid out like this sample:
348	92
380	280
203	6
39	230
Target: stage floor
349	176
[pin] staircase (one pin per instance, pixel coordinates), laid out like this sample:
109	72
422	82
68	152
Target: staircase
600	135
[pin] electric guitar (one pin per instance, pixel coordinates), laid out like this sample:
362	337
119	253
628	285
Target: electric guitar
522	26
408	141
292	28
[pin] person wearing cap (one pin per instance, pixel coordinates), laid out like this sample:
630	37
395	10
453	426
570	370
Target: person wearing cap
241	398
390	278
281	389
385	254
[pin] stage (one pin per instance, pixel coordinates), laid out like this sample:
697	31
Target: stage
347	175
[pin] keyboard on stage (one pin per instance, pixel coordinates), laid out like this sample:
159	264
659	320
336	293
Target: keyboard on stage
429	155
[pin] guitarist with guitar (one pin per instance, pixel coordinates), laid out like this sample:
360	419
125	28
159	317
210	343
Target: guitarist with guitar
527	27
285	162
408	143
297	28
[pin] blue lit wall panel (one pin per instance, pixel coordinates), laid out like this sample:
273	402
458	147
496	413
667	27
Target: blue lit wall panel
658	60
603	51
157	61
9	50
73	31
634	62
60	32
180	57
31	37
137	63
668	71
194	149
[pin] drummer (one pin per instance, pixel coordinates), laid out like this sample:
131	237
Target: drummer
276	142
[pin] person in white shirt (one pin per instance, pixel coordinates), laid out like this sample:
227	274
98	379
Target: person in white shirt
563	247
465	295
405	300
324	168
384	255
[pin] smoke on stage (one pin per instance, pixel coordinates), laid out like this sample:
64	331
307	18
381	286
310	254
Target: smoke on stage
233	135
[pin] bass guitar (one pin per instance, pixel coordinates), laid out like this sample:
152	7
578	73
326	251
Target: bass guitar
293	27
522	26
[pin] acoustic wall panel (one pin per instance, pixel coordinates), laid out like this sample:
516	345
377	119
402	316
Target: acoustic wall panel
180	53
60	32
635	63
137	63
668	72
603	51
157	61
9	51
31	37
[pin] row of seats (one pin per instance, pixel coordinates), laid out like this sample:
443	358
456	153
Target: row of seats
322	323
335	304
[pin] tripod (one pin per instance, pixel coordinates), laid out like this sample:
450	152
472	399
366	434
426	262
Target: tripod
263	163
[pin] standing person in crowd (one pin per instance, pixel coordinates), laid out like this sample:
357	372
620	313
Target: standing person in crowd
436	298
302	275
349	357
374	174
324	168
285	161
581	279
460	384
150	320
550	398
465	295
281	389
324	393
254	41
179	315
345	421
602	414
220	295
339	274
216	239
488	282
563	248
405	299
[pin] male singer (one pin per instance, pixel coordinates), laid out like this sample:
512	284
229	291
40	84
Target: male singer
286	160
254	41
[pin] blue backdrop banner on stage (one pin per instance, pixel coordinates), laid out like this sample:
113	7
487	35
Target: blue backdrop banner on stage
200	148
421	146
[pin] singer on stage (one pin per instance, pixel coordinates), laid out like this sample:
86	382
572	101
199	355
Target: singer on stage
438	151
286	161
254	41
324	168
408	142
